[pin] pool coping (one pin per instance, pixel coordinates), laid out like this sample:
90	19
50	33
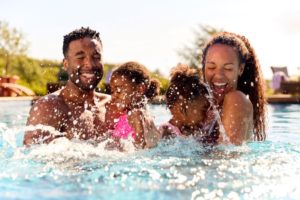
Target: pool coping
284	99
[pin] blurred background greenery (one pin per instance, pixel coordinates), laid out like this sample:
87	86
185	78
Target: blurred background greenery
35	73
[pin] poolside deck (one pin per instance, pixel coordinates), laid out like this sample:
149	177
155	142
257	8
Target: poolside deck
18	98
283	98
278	98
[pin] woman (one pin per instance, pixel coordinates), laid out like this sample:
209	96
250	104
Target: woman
232	70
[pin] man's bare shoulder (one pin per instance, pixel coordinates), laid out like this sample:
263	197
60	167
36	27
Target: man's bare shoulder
50	100
46	109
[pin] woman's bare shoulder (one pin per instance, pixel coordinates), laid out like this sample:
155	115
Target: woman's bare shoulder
237	117
237	99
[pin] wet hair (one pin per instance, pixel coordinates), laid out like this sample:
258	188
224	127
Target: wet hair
185	83
79	34
251	80
139	74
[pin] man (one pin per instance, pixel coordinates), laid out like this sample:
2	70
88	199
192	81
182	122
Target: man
76	111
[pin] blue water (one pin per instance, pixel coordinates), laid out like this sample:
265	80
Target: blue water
175	169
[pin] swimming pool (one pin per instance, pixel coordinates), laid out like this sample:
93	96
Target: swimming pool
176	169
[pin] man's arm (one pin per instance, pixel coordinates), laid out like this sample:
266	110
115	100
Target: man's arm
45	120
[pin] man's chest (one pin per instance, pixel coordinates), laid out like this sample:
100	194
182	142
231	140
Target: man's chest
87	124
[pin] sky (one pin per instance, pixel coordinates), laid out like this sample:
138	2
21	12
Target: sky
152	32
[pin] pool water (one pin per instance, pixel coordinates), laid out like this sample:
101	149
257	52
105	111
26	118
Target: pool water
175	169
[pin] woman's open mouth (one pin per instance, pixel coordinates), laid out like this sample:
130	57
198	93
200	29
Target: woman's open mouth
219	88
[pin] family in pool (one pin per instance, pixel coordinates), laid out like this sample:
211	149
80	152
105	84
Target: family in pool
225	103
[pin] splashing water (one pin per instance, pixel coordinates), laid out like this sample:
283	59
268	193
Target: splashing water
222	133
179	168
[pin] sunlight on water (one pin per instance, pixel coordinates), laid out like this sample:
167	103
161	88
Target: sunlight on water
175	169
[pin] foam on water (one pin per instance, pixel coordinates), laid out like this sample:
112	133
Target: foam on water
176	168
179	168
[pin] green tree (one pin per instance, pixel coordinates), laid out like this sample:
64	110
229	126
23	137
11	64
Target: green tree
164	82
192	53
12	43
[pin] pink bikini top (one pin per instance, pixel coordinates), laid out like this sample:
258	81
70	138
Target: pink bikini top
123	129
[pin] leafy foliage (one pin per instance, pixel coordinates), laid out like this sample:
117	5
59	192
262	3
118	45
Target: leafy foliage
12	43
35	73
192	54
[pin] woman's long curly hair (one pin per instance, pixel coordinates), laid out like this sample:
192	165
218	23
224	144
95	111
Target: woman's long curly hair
251	81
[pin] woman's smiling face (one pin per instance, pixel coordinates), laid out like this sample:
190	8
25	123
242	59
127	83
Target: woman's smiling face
222	69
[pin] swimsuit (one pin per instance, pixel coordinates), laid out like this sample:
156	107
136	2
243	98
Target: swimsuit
123	129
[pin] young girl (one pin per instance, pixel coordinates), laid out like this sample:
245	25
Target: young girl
188	100
131	87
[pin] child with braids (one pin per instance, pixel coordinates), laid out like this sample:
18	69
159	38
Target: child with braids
131	88
188	100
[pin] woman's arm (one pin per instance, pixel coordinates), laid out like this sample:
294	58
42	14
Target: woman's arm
237	117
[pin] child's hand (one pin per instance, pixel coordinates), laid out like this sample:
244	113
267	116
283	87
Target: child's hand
166	132
147	135
114	144
151	134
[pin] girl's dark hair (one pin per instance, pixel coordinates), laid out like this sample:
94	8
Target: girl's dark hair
139	74
185	83
251	81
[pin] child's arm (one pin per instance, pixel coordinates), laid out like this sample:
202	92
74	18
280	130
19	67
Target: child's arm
147	135
152	135
135	119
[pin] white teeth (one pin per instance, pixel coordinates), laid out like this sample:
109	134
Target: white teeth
219	84
87	75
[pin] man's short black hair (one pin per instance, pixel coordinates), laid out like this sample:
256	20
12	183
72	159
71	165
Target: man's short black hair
79	34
